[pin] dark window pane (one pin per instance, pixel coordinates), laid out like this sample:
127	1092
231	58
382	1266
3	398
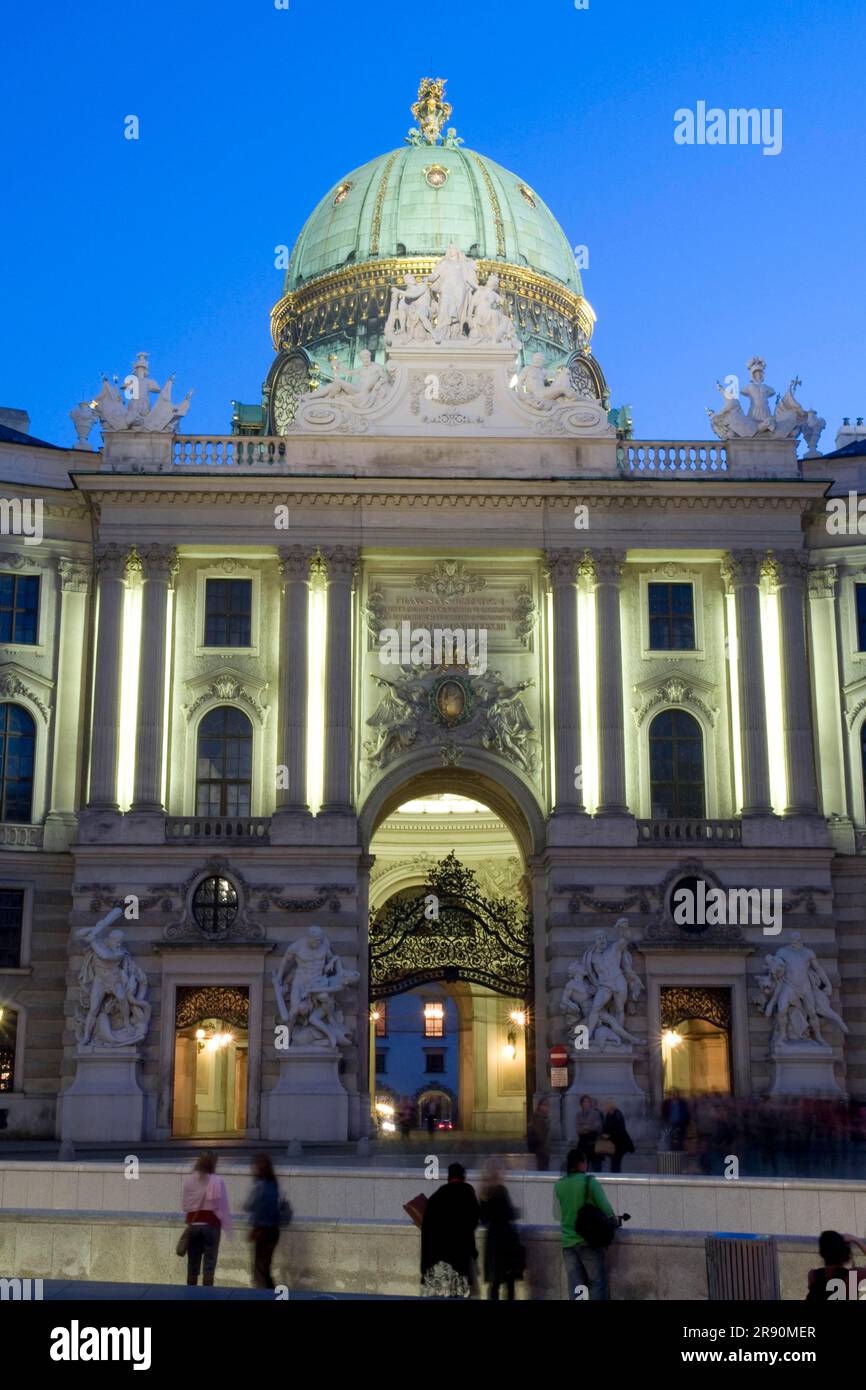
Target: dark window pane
676	766
19	608
671	617
17	750
228	612
11	927
224	763
860	590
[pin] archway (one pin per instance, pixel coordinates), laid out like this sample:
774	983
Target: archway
696	1040
211	1053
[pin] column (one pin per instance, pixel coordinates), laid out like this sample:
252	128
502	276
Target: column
742	571
789	569
566	692
158	569
827	679
74	584
292	750
110	565
607	567
341	562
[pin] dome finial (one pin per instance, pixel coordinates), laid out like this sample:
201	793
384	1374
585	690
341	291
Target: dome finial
431	110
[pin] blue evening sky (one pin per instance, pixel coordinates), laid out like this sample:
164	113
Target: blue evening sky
699	256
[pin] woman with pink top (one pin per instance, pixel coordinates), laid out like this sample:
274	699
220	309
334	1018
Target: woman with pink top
206	1205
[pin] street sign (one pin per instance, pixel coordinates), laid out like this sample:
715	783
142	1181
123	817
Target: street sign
559	1055
558	1076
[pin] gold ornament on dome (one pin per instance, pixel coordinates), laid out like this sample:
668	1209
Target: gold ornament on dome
435	175
341	194
527	194
430	110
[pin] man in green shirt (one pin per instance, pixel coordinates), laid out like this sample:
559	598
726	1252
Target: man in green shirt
585	1268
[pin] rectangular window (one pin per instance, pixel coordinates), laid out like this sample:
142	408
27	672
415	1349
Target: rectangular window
8	1030
228	613
11	927
381	1062
381	1011
435	1063
671	617
19	608
434	1020
861	617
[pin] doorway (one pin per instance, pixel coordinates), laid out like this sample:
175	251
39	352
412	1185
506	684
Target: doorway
696	1040
211	1059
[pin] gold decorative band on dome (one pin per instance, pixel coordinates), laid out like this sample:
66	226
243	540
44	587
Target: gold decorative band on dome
337	301
494	202
380	199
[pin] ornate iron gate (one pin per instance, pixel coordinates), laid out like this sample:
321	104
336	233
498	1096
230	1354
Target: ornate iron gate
448	930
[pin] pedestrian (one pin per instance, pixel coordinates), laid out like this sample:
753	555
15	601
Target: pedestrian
206	1206
405	1116
448	1252
835	1252
538	1135
263	1206
614	1129
676	1118
585	1264
430	1118
504	1258
589	1124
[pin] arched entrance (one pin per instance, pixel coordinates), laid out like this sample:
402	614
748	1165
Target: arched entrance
696	1039
211	1054
459	961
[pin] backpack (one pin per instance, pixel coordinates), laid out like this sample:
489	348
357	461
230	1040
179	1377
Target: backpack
591	1224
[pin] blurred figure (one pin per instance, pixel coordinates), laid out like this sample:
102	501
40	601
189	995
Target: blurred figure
538	1135
589	1124
613	1128
405	1117
676	1117
263	1205
503	1254
448	1252
206	1205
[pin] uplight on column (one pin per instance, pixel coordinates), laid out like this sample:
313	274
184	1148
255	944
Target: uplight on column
131	652
317	632
773	697
588	696
734	697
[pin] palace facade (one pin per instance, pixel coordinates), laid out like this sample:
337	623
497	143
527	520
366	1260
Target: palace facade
431	653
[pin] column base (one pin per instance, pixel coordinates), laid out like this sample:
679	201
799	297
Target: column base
97	825
293	825
614	828
785	832
105	1102
309	1101
61	830
144	827
804	1069
337	825
569	827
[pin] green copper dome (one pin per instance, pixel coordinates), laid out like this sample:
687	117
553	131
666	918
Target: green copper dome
415	200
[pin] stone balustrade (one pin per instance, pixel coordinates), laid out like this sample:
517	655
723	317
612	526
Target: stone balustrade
237	829
689	831
660	458
21	836
228	450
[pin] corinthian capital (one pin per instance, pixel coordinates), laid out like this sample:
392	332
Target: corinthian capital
341	562
74	576
788	567
606	564
561	567
295	563
822	581
110	560
741	567
159	562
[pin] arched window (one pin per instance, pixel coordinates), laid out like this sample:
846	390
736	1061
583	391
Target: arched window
863	750
17	751
224	765
8	1031
676	758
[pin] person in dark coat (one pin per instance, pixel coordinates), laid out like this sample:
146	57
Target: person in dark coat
538	1135
503	1253
263	1206
613	1128
448	1252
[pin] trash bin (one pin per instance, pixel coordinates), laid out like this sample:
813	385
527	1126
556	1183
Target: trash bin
742	1267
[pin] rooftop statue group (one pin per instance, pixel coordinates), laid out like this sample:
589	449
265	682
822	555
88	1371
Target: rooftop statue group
449	305
130	409
786	421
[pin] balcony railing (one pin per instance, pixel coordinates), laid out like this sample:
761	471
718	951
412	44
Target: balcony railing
680	458
237	829
21	836
686	832
228	450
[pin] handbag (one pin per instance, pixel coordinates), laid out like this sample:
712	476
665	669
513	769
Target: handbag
591	1224
182	1246
286	1212
605	1147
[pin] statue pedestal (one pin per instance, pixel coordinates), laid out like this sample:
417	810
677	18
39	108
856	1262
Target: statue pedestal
309	1100
105	1101
605	1074
804	1069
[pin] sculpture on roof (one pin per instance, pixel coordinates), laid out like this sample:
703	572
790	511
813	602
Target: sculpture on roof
788	420
131	409
431	110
